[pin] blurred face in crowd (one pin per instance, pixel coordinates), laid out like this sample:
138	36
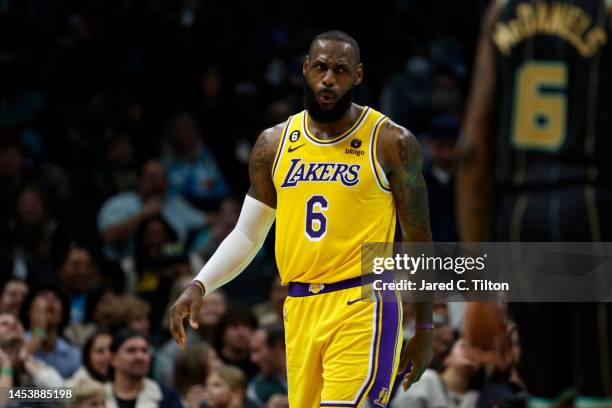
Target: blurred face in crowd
78	271
459	357
261	354
12	296
440	312
98	313
139	321
11	330
238	336
213	308
331	71
184	135
443	337
11	336
214	362
11	162
443	152
219	394
100	354
211	83
54	308
120	151
153	181
132	358
155	237
30	207
226	219
445	93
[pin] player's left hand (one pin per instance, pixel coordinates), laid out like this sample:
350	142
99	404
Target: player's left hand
418	352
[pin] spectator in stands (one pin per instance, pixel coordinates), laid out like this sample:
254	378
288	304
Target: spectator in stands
119	172
407	96
449	389
191	371
130	387
33	238
121	214
492	340
222	223
95	360
45	313
440	178
192	169
268	352
18	368
17	171
446	95
443	339
78	276
13	293
214	308
127	311
158	260
233	340
88	394
94	319
226	388
271	312
211	313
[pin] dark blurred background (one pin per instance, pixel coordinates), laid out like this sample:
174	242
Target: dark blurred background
125	131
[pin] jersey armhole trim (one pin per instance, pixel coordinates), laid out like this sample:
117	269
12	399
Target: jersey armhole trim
379	174
279	151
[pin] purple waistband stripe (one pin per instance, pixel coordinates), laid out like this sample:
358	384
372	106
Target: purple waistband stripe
301	289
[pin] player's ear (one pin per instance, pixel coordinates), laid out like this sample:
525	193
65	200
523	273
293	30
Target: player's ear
358	74
305	65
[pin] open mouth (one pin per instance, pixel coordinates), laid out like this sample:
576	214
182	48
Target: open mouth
326	98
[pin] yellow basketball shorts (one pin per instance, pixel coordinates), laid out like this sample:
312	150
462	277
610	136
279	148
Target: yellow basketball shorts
341	349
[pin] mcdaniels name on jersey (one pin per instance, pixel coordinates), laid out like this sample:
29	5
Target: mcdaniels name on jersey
347	174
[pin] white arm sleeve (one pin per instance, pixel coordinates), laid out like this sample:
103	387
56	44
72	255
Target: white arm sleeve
240	247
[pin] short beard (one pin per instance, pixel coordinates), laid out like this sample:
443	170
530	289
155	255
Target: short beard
332	115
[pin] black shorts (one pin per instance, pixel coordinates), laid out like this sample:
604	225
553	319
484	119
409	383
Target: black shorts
565	346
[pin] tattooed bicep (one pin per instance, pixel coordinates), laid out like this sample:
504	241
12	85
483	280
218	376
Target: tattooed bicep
260	166
410	154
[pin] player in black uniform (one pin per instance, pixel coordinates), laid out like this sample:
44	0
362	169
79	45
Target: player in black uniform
536	165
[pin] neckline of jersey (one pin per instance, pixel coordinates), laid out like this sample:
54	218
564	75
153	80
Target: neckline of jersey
338	138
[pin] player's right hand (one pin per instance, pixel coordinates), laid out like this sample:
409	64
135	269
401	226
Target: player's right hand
188	304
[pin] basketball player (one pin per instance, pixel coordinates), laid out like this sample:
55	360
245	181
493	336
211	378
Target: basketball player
333	176
536	150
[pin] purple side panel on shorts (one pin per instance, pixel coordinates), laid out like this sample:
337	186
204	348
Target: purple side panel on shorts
381	390
377	318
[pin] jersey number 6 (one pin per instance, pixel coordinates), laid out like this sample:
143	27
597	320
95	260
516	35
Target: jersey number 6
316	223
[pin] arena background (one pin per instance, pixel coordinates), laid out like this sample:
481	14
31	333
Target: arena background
92	92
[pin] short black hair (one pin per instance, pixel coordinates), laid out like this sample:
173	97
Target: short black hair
275	334
29	300
341	36
124	335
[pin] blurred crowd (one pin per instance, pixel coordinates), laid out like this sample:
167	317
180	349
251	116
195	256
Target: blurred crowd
125	131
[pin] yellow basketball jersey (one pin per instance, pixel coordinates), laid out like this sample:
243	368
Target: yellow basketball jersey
332	196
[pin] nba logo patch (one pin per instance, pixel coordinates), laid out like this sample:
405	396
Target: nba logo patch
315	288
383	397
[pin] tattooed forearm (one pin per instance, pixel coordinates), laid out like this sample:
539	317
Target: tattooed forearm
410	191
